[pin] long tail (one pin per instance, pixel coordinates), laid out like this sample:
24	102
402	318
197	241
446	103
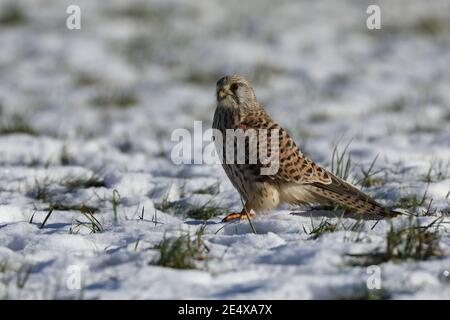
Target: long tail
345	194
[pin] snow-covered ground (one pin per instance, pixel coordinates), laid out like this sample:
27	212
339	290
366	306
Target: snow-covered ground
86	118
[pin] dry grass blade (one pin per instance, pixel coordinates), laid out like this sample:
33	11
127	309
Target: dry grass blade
46	218
115	202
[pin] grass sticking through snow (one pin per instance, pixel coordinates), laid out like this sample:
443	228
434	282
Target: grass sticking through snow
341	166
325	226
12	14
13	275
17	124
65	157
212	189
413	241
436	172
204	212
181	207
121	100
368	176
92	224
42	192
182	252
45	219
115	202
93	181
362	293
413	202
341	162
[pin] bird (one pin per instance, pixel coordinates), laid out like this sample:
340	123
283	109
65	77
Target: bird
297	181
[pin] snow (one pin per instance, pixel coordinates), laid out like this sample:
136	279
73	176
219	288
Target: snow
319	72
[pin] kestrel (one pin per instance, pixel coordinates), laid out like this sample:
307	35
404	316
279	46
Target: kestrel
298	179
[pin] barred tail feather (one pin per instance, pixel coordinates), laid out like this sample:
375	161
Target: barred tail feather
345	194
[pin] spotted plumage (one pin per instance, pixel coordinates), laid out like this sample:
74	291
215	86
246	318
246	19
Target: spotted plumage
297	180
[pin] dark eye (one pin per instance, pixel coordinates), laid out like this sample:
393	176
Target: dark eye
234	87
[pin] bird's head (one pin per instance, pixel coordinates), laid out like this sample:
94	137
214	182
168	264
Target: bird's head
235	92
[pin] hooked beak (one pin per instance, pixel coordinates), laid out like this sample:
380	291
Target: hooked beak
223	93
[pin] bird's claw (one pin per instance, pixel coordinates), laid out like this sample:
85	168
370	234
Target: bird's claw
238	215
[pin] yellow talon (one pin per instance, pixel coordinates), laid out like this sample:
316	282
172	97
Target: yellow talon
238	215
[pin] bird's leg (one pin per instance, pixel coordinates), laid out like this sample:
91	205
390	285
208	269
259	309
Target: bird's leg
244	214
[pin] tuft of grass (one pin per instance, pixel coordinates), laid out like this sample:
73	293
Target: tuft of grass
41	191
424	128
23	275
371	181
428	26
413	202
182	252
84	79
368	176
447	117
414	242
325	226
139	50
204	212
358	228
341	162
85	183
181	207
363	293
14	275
319	117
17	124
65	157
431	26
213	189
168	206
436	172
12	14
140	12
122	100
201	78
341	166
92	224
397	105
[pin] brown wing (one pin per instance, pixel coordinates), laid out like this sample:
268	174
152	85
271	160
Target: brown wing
347	195
293	165
344	189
